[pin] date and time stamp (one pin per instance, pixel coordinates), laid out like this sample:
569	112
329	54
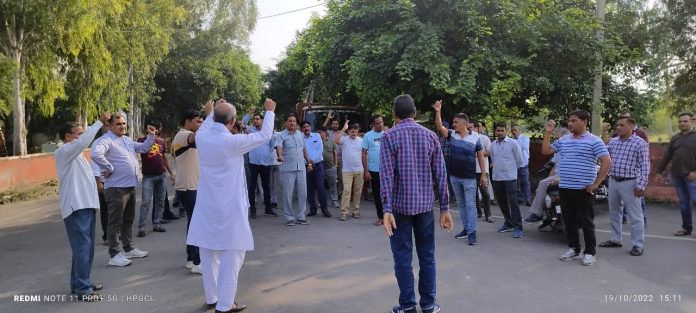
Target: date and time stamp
642	298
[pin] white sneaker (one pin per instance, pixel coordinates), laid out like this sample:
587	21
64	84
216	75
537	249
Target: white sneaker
119	260
569	255
196	269
135	253
189	264
588	259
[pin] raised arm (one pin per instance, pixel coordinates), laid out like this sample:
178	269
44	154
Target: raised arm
339	134
247	142
546	144
72	150
144	147
328	118
438	119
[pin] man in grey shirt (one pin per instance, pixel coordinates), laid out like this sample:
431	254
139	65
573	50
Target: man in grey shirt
291	150
114	153
507	158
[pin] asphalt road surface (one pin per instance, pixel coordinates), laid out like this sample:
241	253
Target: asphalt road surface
333	266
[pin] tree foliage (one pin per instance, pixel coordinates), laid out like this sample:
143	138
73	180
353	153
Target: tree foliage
497	58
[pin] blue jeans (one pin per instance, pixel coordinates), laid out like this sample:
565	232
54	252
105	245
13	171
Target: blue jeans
523	190
465	191
188	201
153	186
422	227
80	227
686	191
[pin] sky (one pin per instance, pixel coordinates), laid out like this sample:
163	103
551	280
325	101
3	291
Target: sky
272	35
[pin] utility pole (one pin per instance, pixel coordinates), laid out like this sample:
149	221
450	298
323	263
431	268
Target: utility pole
597	92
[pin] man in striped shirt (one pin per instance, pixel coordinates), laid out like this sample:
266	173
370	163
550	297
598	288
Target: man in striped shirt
628	178
578	180
410	157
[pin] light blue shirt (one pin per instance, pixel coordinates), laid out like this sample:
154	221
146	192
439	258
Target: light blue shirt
583	151
315	147
371	143
507	158
117	155
293	145
523	141
263	154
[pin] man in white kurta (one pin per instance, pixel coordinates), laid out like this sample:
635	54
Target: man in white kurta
220	225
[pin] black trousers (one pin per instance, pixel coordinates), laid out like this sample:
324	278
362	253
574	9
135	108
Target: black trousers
254	171
188	201
577	208
376	194
485	200
103	215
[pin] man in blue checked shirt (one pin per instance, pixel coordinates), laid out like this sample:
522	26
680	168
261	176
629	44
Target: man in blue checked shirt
628	178
315	177
410	157
260	161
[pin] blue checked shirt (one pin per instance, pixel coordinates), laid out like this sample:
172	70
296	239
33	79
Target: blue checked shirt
629	158
410	160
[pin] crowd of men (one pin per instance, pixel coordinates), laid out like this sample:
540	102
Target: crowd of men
408	167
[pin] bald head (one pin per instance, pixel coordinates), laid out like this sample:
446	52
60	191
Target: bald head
224	113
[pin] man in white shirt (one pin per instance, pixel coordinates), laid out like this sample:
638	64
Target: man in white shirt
220	226
483	196
523	189
78	202
352	170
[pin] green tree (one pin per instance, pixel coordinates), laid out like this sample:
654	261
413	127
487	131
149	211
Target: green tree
38	36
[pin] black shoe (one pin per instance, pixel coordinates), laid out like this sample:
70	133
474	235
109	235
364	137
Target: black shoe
636	251
399	309
274	205
312	213
533	218
433	309
252	215
302	222
171	218
141	234
182	214
159	229
211	305
327	213
461	235
90	297
270	213
165	221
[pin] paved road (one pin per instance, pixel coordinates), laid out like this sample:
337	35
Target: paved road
333	266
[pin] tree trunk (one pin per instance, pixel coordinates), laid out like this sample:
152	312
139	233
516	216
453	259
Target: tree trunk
19	131
131	104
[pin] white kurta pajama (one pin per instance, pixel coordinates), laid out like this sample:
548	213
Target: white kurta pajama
220	225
